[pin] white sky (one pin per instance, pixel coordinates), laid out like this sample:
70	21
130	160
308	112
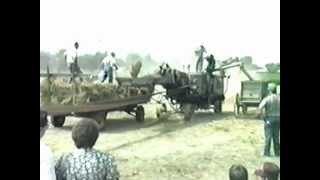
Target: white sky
167	29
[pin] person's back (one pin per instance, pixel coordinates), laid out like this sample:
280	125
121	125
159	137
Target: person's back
86	164
272	105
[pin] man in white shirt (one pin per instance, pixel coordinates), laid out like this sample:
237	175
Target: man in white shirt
109	67
47	171
72	62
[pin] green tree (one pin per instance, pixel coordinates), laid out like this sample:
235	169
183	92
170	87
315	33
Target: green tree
46	59
61	61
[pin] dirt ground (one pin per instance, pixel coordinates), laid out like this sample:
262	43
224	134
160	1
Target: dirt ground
202	149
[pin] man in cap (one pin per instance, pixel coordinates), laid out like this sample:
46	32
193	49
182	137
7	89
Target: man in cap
269	171
271	107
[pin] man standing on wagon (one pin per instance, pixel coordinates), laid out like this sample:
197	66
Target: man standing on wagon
72	62
109	67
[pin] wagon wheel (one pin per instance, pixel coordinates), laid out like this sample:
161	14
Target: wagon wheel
58	121
140	114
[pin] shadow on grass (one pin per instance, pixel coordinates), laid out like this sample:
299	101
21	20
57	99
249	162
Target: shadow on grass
127	124
167	128
175	122
164	128
210	116
114	125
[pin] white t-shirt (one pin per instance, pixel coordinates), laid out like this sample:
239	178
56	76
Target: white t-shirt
47	171
71	55
109	60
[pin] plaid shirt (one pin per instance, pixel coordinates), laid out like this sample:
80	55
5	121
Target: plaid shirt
86	164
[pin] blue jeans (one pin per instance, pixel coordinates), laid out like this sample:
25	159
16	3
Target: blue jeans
272	133
108	73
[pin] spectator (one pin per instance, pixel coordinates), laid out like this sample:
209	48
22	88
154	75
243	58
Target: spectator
86	162
269	171
271	106
238	172
46	157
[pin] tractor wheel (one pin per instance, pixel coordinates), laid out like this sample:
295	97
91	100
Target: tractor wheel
58	121
140	114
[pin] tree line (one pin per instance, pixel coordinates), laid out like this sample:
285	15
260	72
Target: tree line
91	62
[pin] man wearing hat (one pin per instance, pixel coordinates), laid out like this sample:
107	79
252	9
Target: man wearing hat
271	107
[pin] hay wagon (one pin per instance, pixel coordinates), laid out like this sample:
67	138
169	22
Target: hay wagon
99	110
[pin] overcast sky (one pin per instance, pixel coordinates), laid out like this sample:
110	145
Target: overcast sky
167	29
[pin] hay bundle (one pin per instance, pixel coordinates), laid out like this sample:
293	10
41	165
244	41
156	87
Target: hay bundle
135	69
133	91
59	91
